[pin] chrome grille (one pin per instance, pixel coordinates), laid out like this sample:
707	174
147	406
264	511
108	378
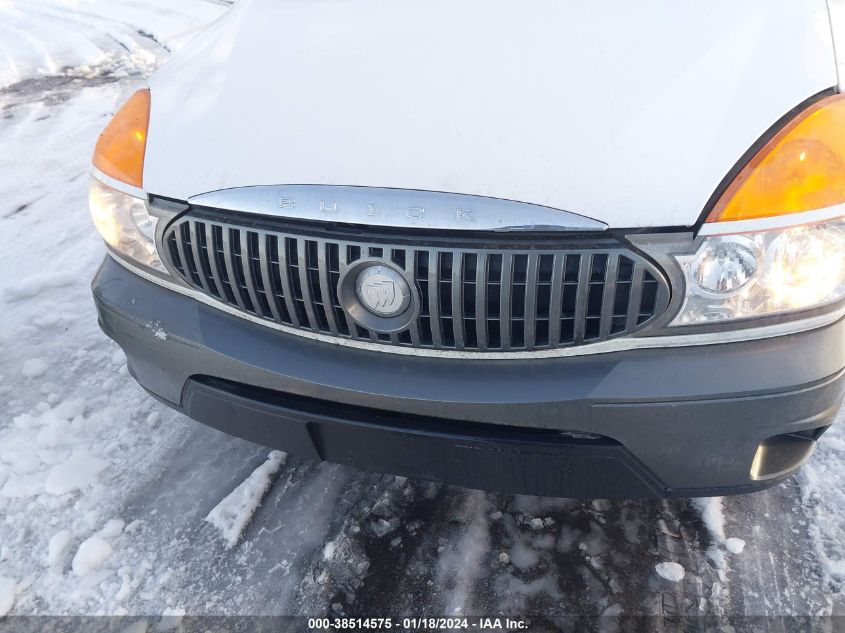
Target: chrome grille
488	298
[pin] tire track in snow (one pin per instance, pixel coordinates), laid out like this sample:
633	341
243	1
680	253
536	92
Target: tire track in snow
462	563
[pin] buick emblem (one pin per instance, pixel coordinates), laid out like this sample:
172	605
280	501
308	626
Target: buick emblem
383	291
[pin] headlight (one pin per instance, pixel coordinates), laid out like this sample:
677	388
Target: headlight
125	224
744	266
766	273
121	217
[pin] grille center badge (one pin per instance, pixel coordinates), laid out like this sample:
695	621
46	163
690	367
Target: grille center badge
383	291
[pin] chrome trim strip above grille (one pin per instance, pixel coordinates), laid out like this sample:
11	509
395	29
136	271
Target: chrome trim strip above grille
603	347
397	208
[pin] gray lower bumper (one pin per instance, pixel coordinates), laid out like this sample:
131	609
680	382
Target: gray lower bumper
684	420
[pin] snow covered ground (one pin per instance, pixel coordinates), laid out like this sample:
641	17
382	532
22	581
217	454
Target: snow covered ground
112	504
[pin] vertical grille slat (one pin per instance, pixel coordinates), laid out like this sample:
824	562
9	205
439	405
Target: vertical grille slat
228	257
609	296
505	300
410	268
486	299
343	264
434	297
269	285
284	279
305	284
181	250
458	260
636	296
323	272
556	299
195	248
173	251
214	265
581	297
531	274
246	265
481	301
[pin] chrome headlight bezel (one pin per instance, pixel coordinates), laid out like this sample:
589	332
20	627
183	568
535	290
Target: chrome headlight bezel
123	218
676	253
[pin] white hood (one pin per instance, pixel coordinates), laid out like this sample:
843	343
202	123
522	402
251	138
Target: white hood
627	112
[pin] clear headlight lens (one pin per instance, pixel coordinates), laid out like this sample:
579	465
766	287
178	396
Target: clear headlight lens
723	266
125	224
760	274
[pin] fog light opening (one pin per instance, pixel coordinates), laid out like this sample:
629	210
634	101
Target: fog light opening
782	454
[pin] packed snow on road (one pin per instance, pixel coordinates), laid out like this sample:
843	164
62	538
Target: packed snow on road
112	504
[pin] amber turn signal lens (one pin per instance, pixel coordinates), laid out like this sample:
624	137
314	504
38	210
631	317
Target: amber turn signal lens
120	149
801	169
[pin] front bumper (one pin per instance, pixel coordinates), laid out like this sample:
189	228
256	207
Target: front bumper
639	423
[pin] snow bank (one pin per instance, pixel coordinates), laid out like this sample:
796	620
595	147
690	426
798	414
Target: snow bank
45	37
232	514
70	410
35	284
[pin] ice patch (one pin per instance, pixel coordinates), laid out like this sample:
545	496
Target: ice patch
171	619
136	627
461	566
58	547
91	555
22	486
613	611
69	409
712	514
34	367
111	529
77	473
522	555
673	572
232	514
8	588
